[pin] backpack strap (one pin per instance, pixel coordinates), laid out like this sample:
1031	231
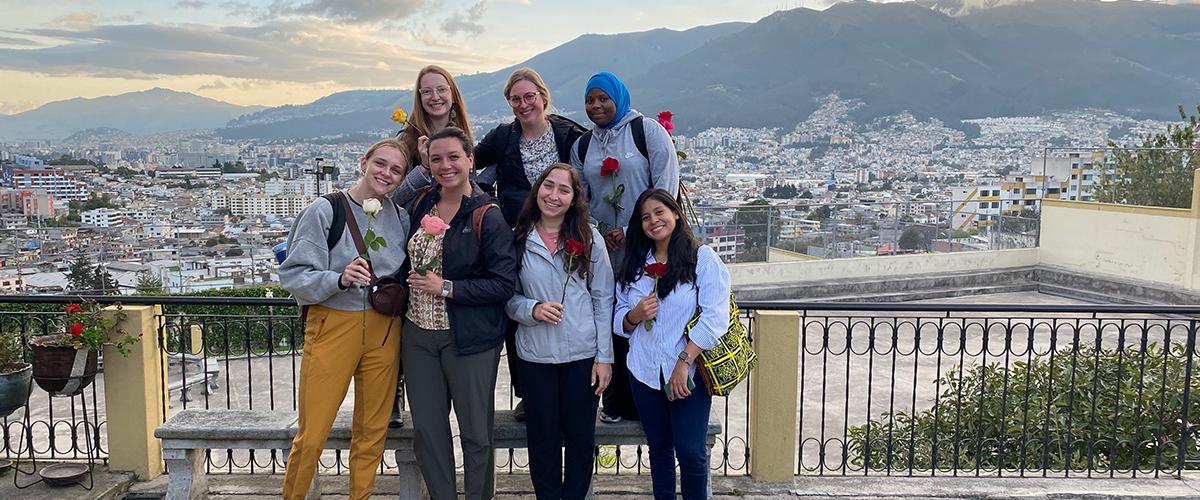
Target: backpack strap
338	225
581	150
639	136
477	218
418	199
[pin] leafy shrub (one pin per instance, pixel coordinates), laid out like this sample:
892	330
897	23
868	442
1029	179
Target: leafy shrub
982	421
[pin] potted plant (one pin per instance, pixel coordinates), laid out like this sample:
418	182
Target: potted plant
14	373
64	363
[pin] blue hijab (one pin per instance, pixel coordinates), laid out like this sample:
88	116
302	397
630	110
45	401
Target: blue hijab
616	90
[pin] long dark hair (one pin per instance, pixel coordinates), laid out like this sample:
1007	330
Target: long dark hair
575	224
681	248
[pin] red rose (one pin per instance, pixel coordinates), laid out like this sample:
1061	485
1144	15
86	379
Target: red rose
609	166
656	270
74	309
664	119
77	330
574	248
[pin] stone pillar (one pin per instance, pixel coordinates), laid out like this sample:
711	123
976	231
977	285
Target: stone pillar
197	344
135	394
773	395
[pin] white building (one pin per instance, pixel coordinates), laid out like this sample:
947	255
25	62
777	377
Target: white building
101	218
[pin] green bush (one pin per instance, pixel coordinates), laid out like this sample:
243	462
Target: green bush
984	411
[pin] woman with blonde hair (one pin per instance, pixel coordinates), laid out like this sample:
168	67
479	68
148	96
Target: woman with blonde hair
344	339
516	153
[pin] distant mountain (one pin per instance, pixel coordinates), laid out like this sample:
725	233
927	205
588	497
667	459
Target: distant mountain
1026	58
566	69
149	111
98	134
950	59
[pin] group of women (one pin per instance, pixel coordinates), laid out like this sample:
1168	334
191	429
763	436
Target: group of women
555	263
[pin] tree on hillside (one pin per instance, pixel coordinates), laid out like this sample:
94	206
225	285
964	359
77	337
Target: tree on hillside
1159	175
149	285
917	238
81	274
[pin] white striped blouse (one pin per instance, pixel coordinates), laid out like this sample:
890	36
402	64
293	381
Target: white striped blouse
653	354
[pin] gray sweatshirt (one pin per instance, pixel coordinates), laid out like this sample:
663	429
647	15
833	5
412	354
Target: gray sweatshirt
311	270
586	328
635	171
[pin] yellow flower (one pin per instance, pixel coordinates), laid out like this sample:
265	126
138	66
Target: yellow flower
399	116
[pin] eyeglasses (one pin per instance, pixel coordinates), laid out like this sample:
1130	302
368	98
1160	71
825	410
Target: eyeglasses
428	92
529	98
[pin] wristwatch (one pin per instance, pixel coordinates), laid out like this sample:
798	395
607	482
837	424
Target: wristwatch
683	356
447	288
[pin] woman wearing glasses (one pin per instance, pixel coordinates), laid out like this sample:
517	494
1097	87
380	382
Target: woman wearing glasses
437	104
520	151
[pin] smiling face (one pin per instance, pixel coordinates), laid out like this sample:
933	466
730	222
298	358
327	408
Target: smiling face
383	170
658	221
600	108
449	163
528	104
556	194
436	97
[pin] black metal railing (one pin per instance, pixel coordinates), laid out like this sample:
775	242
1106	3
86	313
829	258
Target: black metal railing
895	389
1001	390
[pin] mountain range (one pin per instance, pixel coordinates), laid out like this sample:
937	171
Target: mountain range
949	59
145	112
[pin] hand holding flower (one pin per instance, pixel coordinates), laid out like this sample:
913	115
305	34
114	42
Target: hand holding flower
654	270
433	227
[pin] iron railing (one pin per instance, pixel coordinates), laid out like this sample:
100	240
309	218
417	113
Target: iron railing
891	389
1000	390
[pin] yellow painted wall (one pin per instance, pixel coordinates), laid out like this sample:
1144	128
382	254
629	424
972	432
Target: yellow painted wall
1145	243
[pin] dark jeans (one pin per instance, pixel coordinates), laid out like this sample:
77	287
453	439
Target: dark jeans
514	362
617	400
560	412
676	430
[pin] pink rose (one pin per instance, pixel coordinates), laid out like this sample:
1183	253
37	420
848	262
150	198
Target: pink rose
434	226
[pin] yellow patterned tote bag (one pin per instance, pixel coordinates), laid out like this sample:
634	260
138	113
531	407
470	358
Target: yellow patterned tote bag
728	362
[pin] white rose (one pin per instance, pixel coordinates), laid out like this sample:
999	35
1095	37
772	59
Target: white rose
372	207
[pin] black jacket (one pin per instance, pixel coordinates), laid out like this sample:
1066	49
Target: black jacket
483	270
502	147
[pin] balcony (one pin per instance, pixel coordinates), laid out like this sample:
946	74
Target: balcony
1072	359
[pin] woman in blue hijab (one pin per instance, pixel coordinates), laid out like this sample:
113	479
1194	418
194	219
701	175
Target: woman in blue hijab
621	157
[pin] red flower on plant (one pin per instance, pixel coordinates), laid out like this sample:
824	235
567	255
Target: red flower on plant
609	166
74	309
656	270
664	119
77	330
574	248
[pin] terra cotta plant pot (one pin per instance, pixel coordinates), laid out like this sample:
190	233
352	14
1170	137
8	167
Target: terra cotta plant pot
62	371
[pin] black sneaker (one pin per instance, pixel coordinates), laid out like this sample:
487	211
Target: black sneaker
519	411
397	419
609	419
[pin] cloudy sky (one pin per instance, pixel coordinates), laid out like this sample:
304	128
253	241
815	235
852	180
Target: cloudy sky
274	52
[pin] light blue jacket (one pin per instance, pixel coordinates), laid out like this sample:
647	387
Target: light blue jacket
586	328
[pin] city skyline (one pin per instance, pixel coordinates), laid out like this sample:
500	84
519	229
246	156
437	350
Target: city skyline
292	52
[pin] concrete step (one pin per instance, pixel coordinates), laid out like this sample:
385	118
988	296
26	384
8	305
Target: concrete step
926	294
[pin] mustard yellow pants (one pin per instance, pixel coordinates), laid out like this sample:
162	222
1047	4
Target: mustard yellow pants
335	351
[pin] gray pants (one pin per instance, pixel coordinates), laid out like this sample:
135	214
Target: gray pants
434	376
